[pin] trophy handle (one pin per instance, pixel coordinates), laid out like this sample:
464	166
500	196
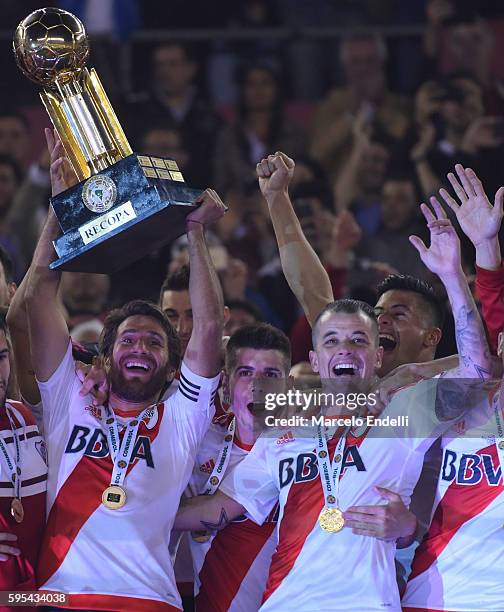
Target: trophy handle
68	140
102	104
86	124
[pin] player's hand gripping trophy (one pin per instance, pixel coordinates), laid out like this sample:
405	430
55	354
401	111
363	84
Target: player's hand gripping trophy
118	212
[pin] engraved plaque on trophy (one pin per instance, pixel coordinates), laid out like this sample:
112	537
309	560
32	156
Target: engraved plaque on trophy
125	205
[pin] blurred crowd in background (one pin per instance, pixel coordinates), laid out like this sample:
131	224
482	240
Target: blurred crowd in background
375	100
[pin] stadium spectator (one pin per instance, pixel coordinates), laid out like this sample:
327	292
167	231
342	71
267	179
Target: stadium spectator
175	100
164	140
15	137
458	40
365	95
399	220
359	184
452	128
260	125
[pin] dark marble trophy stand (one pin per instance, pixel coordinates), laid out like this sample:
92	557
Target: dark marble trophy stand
149	211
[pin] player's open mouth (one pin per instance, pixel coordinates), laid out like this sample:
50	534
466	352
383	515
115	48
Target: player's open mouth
137	366
388	342
345	369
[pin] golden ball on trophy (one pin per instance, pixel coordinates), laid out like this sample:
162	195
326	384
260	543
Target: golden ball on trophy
50	46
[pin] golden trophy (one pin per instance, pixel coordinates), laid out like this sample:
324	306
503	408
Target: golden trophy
125	204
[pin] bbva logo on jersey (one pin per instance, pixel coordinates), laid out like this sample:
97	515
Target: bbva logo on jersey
469	469
94	444
306	466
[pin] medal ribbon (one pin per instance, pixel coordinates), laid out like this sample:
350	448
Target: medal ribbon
13	464
121	454
330	482
220	467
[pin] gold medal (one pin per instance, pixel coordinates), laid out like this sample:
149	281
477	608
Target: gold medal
17	510
114	497
331	520
201	536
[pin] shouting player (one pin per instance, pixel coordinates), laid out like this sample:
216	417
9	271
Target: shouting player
409	314
117	471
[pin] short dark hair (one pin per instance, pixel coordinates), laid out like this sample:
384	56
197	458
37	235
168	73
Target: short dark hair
147	309
7	264
346	306
178	280
247	306
7	160
258	336
404	282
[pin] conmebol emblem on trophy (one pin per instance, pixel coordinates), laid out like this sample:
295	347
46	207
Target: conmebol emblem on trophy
125	205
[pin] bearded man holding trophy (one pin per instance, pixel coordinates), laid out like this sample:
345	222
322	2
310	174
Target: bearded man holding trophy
115	472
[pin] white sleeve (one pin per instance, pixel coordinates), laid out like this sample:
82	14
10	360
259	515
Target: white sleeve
36	410
56	393
419	426
193	406
250	483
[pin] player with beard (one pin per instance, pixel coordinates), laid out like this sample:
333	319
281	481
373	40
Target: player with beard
315	478
23	480
117	471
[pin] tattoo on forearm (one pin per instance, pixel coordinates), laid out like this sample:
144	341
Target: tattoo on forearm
451	399
223	521
471	343
462	389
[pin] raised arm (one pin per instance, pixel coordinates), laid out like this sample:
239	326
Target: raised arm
346	186
302	268
443	258
478	219
204	350
209	512
17	321
48	329
481	222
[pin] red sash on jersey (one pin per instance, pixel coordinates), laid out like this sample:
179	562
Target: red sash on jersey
306	500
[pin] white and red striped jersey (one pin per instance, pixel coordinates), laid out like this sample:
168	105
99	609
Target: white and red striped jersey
459	566
18	573
232	567
312	569
117	559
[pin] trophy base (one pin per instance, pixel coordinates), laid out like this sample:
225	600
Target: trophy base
150	212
